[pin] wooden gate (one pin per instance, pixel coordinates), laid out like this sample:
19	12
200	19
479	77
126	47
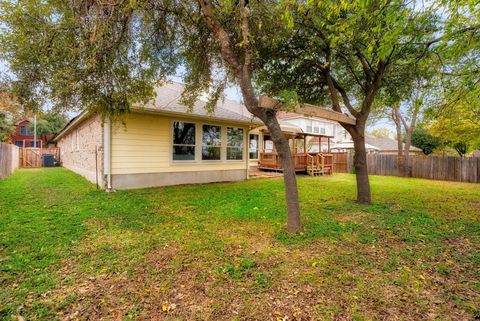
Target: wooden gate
31	157
340	162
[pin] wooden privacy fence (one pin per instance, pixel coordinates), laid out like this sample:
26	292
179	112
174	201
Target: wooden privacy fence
9	159
340	163
32	157
449	168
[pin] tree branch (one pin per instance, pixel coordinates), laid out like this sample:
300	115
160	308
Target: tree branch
245	34
220	34
345	98
350	67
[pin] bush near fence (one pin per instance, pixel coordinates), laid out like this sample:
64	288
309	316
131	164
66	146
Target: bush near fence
9	159
449	168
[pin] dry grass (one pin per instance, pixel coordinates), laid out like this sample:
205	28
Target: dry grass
219	252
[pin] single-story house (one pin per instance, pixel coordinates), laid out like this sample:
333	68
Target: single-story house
383	145
388	146
161	143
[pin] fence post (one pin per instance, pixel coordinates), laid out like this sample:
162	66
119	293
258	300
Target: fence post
8	159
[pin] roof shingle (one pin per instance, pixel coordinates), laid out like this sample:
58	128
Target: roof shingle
169	96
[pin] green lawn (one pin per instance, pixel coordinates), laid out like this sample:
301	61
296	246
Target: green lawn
219	251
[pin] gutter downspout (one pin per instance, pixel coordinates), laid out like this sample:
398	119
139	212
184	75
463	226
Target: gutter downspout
107	155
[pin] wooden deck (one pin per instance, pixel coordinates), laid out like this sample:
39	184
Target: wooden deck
313	163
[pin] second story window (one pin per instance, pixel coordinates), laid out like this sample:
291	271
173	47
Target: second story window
211	142
309	129
25	131
183	141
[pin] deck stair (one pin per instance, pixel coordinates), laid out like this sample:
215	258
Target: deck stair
314	165
314	171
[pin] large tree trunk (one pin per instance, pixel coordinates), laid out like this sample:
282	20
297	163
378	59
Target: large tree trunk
242	74
360	164
294	223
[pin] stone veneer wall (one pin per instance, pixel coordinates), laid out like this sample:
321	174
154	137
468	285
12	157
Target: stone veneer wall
77	149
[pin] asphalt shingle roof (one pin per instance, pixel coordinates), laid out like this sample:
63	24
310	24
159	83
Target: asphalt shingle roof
169	96
386	143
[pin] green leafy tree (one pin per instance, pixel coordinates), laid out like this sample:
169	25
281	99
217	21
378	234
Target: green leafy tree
414	103
6	127
50	123
457	123
343	54
10	104
106	56
456	117
425	141
381	132
461	147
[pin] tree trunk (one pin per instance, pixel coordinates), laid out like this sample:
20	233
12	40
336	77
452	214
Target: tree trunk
398	126
242	74
294	224
360	163
406	153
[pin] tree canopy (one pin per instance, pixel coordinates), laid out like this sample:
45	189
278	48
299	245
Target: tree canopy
50	123
109	56
425	141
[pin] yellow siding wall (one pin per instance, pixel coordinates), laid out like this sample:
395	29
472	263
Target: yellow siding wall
144	145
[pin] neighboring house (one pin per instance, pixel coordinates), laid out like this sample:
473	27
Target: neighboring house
384	145
318	134
347	145
159	144
315	125
388	145
340	139
24	137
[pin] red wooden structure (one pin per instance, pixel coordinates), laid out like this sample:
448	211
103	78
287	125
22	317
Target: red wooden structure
24	137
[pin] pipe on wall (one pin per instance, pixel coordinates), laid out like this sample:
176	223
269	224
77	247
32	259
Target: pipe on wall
107	155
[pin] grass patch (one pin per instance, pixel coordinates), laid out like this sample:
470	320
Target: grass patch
219	251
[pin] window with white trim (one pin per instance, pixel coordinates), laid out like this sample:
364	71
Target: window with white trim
234	143
183	141
25	131
211	142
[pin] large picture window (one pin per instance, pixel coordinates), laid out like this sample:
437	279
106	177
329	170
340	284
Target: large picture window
211	142
253	146
234	143
183	141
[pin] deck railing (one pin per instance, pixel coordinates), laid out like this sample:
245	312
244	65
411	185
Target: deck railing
301	161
